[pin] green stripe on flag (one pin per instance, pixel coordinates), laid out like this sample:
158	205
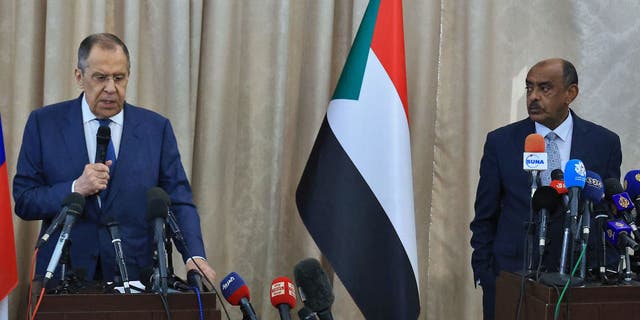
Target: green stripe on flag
350	80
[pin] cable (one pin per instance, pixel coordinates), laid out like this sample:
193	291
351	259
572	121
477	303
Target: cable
524	266
165	304
195	289
557	310
213	289
35	310
31	274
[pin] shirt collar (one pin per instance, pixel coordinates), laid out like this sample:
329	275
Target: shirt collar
87	115
562	131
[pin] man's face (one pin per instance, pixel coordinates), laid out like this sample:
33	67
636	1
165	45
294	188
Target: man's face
547	96
104	80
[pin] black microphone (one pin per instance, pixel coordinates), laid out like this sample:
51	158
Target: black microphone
194	279
150	279
306	314
74	201
72	215
157	214
174	282
112	226
102	143
315	290
545	201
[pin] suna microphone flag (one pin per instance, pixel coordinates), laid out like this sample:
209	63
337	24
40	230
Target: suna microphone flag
355	196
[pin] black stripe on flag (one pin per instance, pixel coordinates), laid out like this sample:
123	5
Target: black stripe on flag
352	230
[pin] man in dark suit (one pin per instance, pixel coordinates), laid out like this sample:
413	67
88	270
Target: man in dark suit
58	156
504	190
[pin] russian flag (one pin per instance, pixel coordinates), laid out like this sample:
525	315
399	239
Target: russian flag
355	196
8	262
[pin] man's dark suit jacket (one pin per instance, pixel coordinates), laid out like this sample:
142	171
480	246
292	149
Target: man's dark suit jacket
504	191
54	154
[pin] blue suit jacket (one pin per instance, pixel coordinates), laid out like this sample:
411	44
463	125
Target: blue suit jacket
54	154
504	190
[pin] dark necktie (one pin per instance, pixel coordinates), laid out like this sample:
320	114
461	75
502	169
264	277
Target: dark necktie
553	156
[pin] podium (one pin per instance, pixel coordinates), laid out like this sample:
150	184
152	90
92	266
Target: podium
142	306
592	302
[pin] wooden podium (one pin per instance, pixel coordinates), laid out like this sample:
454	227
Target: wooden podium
595	302
142	306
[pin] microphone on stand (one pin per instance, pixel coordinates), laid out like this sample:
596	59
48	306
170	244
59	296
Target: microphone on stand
534	158
113	227
314	287
622	202
236	292
74	202
632	186
74	211
593	193
534	161
283	296
544	202
157	214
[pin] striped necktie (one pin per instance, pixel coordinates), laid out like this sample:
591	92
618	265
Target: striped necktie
553	157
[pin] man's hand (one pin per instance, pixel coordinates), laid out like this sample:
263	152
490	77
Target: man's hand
204	265
94	179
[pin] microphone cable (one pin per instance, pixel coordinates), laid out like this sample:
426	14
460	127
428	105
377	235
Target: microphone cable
566	286
195	289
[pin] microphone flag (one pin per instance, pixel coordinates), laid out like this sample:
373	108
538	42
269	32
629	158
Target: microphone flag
357	186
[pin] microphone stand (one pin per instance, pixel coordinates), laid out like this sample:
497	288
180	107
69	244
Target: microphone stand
529	227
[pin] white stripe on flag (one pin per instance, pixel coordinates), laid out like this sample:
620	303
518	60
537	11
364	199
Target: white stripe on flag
374	132
4	308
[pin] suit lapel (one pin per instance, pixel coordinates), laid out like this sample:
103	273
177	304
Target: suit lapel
72	130
127	155
579	146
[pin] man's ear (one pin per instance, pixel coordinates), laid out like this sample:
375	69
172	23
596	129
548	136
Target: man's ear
572	93
78	75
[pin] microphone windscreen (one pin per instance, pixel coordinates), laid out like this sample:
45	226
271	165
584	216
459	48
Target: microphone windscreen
194	279
283	291
534	143
315	290
559	186
632	183
612	186
75	203
593	188
557	174
234	288
575	174
545	198
158	193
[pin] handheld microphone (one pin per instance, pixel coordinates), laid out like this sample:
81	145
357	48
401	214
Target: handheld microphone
618	235
74	211
623	203
75	202
236	292
157	214
283	296
534	159
545	201
315	290
112	226
102	143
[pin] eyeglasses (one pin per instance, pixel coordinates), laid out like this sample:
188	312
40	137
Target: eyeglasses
118	79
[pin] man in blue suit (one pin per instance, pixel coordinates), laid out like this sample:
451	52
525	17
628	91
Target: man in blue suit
58	154
504	190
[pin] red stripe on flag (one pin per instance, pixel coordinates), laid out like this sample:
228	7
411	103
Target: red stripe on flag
8	262
388	45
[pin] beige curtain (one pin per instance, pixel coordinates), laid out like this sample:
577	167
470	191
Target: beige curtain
246	84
